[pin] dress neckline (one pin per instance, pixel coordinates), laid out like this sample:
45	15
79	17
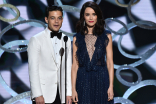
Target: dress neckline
90	60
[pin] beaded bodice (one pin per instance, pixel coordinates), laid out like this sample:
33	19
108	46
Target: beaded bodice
90	42
91	50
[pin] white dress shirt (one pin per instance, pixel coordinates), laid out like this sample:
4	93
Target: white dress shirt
56	43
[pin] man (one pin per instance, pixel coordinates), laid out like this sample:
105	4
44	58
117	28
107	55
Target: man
44	62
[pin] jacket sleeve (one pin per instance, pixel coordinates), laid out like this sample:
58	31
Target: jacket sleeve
33	65
69	64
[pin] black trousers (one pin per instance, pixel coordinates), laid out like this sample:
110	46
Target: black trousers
57	99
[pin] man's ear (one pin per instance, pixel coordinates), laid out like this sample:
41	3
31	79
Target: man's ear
46	19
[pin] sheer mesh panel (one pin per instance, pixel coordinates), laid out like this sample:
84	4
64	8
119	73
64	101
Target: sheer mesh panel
90	42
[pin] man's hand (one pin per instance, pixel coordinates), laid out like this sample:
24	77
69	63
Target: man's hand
39	100
68	100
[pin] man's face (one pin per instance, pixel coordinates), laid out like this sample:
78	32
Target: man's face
54	20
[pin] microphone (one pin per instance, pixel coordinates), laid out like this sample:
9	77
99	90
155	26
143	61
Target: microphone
65	38
61	52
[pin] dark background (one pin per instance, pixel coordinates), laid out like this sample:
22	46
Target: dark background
14	66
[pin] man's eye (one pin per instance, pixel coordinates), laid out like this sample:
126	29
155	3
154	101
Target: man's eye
52	18
60	18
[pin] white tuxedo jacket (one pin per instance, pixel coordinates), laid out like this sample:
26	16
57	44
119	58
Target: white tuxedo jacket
43	71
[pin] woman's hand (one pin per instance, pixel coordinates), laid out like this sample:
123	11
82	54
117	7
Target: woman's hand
74	96
110	93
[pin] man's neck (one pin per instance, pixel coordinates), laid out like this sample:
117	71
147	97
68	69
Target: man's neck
52	30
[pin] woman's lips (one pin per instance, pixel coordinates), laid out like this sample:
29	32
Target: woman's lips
91	21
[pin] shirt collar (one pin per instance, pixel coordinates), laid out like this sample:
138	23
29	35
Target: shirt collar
49	31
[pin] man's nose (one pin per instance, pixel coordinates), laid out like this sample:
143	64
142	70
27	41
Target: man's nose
56	20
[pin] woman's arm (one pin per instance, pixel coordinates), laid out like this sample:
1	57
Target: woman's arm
74	72
74	65
110	64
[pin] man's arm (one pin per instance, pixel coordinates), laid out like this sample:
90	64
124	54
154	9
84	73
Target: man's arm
69	64
33	65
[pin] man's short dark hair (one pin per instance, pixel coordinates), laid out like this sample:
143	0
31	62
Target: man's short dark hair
53	8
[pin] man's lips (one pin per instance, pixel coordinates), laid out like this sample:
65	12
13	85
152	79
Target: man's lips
91	21
55	25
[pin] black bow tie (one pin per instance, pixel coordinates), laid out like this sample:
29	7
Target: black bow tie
59	35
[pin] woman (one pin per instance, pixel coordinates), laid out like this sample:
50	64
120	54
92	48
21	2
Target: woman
92	76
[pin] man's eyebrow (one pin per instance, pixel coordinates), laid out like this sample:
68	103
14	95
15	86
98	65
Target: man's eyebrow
54	16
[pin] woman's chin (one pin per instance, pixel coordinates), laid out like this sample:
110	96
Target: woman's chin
90	25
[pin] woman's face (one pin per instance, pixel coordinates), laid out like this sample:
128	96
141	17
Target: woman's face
90	17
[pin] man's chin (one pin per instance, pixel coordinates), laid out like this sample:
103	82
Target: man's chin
56	30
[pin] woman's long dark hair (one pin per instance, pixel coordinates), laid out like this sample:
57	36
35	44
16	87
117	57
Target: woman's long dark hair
99	26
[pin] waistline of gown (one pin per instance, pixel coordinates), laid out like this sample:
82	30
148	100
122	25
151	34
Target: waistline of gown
90	67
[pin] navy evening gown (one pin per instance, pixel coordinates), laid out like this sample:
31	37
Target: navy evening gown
92	80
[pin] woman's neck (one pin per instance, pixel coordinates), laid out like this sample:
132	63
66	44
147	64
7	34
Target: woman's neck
90	29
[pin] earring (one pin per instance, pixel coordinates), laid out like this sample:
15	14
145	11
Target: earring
84	23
